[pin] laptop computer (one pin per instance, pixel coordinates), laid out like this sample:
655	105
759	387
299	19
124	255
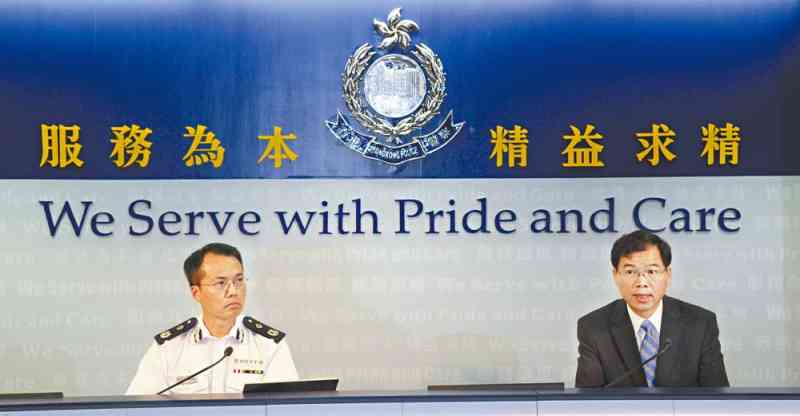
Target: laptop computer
320	384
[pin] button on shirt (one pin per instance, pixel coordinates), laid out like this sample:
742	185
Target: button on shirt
637	320
255	359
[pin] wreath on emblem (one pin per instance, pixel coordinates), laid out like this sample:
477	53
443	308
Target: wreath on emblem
395	31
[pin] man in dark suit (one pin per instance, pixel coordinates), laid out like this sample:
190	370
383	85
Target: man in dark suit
623	334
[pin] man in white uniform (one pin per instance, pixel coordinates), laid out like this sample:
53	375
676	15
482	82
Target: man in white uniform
260	353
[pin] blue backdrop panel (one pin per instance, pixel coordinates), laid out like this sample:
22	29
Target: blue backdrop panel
243	67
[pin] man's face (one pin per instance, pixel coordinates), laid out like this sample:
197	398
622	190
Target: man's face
643	280
216	287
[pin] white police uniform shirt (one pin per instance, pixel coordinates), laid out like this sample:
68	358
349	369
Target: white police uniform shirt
260	354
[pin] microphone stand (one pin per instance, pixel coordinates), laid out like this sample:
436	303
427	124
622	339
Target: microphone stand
618	380
226	354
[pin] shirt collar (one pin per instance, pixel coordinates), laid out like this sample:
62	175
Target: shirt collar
202	333
655	319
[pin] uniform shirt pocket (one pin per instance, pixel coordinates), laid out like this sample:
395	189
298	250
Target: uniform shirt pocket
239	375
196	384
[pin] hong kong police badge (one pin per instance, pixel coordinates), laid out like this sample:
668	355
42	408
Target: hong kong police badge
393	93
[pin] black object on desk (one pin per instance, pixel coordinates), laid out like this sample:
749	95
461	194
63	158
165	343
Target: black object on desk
324	384
490	387
32	396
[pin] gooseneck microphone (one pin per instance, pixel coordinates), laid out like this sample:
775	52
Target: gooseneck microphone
226	354
620	379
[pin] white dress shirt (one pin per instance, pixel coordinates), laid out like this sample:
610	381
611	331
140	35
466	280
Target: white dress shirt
637	320
257	358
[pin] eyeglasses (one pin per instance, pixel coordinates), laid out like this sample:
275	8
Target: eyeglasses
222	284
650	273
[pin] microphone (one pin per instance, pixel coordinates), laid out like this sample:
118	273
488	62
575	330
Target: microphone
226	354
618	380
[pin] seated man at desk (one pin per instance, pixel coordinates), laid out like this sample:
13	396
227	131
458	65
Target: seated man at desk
260	353
616	340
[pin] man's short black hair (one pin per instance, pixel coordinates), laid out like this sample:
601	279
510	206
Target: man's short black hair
192	263
638	241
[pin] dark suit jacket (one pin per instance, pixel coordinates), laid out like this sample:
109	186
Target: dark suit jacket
607	348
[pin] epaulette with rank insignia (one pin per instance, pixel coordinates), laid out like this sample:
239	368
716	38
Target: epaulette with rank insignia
176	330
263	329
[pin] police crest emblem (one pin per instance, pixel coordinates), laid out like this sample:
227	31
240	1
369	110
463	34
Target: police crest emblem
394	91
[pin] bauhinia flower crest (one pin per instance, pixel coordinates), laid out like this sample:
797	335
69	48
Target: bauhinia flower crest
395	31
